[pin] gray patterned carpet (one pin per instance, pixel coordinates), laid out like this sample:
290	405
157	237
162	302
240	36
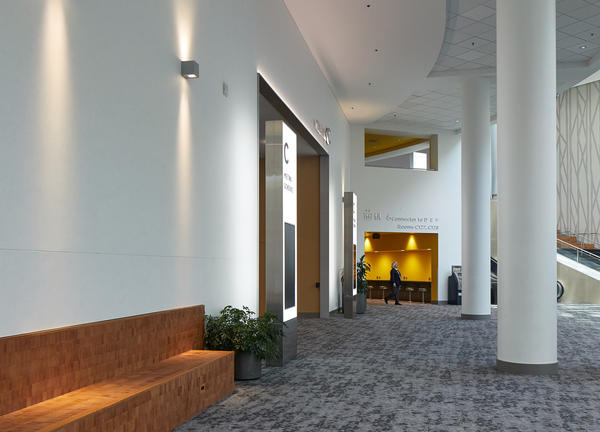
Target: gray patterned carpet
416	368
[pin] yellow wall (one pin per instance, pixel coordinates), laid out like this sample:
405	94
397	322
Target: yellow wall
413	262
413	265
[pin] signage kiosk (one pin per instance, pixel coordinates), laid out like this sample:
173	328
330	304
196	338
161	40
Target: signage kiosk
349	290
280	241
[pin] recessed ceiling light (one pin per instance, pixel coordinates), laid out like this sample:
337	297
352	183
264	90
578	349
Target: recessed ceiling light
457	121
583	46
370	83
376	49
368	5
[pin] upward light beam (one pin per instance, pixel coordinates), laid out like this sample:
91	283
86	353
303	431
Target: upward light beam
184	24
55	130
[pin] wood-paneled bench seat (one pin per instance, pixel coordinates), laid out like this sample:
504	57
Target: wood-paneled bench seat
133	374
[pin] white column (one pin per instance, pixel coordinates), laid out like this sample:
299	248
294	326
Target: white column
494	136
476	186
526	66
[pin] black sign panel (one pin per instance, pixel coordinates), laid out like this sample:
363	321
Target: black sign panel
290	265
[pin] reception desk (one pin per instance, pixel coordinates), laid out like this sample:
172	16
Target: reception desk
382	288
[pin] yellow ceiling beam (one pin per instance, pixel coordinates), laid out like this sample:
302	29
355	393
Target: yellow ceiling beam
378	144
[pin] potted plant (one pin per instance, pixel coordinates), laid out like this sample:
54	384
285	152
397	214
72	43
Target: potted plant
361	281
253	338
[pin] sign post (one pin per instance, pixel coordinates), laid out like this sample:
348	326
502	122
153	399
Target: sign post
280	242
349	290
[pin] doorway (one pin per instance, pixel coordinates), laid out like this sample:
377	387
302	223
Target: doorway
312	209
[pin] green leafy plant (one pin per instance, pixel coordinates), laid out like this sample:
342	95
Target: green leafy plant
239	330
362	268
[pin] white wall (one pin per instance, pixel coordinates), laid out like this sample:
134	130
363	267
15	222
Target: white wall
124	188
578	161
400	193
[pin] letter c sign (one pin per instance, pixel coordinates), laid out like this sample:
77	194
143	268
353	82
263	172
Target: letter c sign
285	148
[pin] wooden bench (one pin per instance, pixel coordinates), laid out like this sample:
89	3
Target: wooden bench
141	373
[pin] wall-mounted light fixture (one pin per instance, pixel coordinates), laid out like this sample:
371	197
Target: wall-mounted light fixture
190	69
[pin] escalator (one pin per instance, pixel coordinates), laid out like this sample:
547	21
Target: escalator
587	257
560	289
494	280
455	284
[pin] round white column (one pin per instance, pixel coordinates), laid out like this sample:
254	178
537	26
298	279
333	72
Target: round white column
475	196
526	66
494	136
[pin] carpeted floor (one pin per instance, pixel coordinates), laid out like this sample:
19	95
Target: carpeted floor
416	368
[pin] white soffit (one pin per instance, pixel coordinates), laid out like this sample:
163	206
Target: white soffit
392	44
593	77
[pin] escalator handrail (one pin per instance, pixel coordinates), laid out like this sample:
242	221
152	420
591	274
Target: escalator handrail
578	249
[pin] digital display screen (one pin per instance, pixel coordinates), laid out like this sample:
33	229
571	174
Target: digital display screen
290	265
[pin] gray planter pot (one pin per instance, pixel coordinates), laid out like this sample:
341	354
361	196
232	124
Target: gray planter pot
361	303
247	366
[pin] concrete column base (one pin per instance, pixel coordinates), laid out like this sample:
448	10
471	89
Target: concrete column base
526	368
475	317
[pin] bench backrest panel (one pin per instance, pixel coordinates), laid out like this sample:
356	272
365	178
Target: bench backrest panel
42	365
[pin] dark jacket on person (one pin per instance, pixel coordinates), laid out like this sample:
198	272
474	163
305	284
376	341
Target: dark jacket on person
395	277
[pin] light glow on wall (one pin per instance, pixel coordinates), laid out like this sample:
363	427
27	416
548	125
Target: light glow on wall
183	189
184	13
414	265
412	243
184	23
55	135
368	245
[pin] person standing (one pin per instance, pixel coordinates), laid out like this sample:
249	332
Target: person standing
395	282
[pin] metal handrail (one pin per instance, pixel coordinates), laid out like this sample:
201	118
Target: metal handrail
578	249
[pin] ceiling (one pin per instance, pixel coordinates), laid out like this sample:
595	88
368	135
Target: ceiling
374	53
469	48
342	35
470	40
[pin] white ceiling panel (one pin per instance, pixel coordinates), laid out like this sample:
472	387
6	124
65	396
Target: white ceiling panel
470	45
